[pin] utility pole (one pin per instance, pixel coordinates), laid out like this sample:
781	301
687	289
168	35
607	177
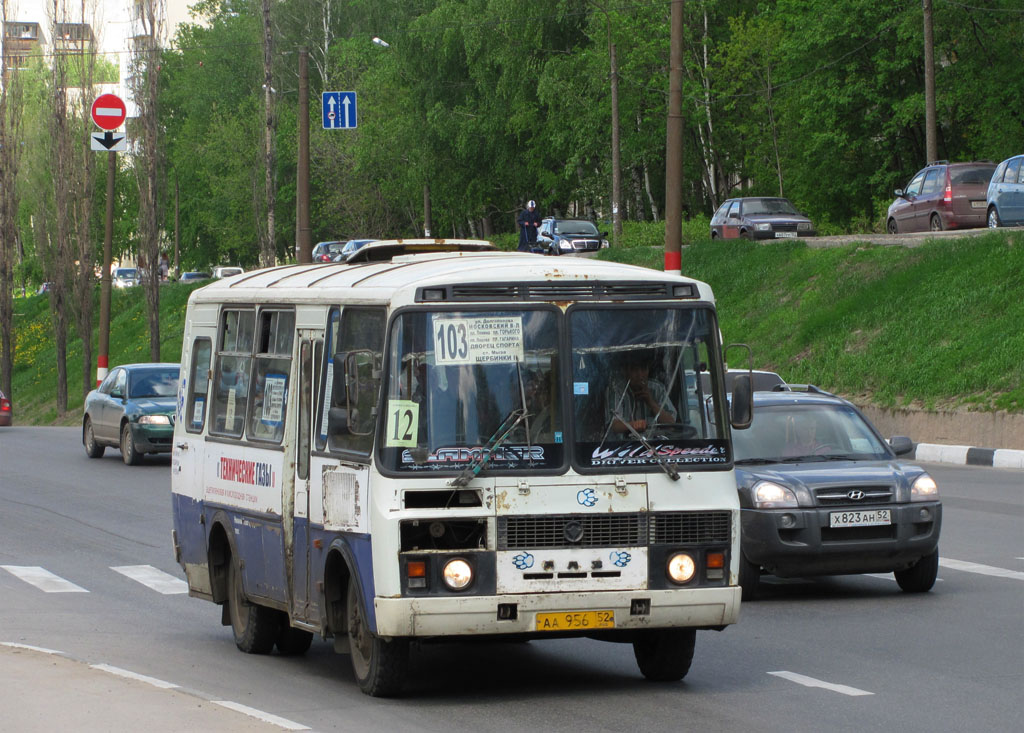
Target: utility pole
674	146
303	251
931	144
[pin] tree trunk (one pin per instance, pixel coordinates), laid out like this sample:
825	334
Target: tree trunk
267	236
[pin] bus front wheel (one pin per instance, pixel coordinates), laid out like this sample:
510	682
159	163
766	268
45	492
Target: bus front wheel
255	628
665	655
379	664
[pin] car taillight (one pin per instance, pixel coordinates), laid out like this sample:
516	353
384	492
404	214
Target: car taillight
5	405
947	197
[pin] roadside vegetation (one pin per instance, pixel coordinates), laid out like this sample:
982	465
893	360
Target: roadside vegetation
935	326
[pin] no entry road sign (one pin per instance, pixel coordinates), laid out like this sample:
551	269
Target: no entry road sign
108	111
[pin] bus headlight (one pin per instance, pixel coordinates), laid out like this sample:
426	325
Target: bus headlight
457	574
681	567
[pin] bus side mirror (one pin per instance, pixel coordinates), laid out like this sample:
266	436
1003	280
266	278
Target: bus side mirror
741	413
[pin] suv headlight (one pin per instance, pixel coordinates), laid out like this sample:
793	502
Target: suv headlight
564	244
770	495
763	227
924	488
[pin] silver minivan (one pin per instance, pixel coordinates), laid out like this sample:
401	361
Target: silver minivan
1006	193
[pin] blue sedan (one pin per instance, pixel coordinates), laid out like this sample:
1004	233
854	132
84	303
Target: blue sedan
132	410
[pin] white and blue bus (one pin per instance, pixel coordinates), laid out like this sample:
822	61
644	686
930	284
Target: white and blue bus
441	444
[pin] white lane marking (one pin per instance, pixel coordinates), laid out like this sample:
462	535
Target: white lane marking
150	577
134	676
811	682
44	580
44	650
973	567
888	576
260	715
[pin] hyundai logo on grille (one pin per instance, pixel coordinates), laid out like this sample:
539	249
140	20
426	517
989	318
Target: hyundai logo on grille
573	532
856	494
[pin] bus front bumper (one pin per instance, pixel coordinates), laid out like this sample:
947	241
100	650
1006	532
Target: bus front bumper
479	615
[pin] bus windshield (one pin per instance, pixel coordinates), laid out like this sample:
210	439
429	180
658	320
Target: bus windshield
464	382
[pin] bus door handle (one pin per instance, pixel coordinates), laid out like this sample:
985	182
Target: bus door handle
182	446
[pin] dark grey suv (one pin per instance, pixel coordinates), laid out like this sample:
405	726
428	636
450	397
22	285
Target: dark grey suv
822	493
569	236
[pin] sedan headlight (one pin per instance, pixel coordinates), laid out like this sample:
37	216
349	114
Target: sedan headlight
763	227
769	495
564	244
803	226
924	489
154	420
457	574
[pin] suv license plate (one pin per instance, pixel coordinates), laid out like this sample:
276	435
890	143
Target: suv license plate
575	620
859	519
786	235
977	204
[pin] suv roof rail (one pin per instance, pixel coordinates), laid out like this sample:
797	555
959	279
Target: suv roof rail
809	388
939	162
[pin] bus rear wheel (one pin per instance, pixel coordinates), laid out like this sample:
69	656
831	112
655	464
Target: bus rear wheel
379	665
665	655
255	628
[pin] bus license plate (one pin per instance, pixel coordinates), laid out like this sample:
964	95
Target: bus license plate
575	620
874	518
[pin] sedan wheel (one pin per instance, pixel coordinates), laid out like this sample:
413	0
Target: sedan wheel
92	448
892	227
936	223
129	453
993	218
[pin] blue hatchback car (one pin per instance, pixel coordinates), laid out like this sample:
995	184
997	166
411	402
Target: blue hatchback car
822	493
1005	198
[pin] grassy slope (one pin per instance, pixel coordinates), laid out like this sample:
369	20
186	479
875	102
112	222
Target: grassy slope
937	326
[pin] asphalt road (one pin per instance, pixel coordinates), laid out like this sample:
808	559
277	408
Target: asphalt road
850	653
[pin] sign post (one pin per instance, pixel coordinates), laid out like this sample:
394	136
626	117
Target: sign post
108	112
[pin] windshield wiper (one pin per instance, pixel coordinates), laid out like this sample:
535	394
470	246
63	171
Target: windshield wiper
670	470
755	461
497	438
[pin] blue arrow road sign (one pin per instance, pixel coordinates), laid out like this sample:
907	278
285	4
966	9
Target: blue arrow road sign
339	110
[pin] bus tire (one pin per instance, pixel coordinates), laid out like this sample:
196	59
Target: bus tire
292	642
255	628
379	665
665	655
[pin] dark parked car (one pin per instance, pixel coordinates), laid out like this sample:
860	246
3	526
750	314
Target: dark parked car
942	195
569	236
133	410
350	246
191	277
6	410
822	493
760	217
327	251
1005	199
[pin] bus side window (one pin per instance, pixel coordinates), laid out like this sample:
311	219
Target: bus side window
271	370
198	385
360	343
231	383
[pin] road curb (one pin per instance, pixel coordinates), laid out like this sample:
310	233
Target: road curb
965	455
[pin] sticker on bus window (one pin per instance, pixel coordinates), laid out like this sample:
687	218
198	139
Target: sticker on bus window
403	423
273	399
580	388
229	414
328	388
479	340
197	411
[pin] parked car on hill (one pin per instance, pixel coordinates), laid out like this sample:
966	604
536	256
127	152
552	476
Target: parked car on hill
351	246
326	251
6	410
761	217
1005	196
125	277
191	277
569	236
133	410
940	196
822	493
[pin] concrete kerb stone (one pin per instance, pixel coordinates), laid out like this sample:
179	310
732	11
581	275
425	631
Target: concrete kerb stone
965	455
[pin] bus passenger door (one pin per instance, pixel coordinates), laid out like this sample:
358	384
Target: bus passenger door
310	350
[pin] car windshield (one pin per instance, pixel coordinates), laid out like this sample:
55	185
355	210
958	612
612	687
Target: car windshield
637	397
576	226
971	175
807	432
125	272
153	382
767	206
465	383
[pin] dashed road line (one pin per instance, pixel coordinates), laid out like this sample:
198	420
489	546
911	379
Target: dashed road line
260	715
973	567
42	579
42	649
152	578
811	682
135	676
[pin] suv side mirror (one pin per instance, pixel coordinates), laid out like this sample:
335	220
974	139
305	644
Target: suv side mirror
901	444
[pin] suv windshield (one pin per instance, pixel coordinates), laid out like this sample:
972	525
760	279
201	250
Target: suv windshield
978	174
767	206
637	396
807	432
576	226
462	383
